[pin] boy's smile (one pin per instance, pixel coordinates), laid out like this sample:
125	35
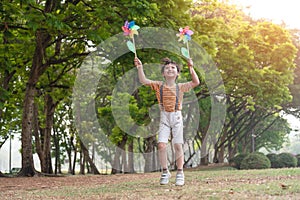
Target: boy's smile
170	71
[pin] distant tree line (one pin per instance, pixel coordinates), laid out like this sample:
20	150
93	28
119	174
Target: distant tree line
43	46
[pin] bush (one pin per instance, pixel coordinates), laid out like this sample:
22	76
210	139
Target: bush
237	160
298	158
256	160
287	160
274	160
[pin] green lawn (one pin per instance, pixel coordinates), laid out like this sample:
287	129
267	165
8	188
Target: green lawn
221	183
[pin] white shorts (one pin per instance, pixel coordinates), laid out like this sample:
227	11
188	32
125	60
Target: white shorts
170	122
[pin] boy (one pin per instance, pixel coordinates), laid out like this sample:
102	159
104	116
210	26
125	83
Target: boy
170	96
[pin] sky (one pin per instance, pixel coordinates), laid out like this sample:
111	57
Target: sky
274	10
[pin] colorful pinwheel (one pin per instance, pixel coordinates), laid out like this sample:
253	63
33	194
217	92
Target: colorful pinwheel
130	29
185	35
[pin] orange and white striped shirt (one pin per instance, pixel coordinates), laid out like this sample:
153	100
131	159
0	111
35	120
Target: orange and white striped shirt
169	94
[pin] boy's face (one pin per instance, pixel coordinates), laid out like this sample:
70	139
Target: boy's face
170	71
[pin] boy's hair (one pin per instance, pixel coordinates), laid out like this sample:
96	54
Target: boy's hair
166	61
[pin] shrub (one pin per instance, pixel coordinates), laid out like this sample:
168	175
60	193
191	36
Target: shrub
274	160
256	160
287	160
298	158
237	160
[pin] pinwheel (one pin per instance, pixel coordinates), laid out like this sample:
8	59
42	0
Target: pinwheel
130	29
185	36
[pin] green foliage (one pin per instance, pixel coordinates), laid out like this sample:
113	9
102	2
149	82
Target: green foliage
275	135
283	160
298	158
249	55
236	161
117	135
256	59
274	159
256	160
287	160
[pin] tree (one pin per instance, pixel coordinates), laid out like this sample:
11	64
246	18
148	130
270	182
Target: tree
293	107
247	53
271	133
58	39
43	43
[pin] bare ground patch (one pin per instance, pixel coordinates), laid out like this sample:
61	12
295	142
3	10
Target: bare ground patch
200	184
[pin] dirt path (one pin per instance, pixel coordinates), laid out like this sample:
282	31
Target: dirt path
27	183
227	184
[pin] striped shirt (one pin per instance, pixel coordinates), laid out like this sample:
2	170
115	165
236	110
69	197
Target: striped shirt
169	94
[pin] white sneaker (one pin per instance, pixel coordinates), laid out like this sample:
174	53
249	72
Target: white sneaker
179	179
164	179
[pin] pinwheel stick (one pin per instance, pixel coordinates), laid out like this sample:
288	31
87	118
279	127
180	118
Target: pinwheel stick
135	54
187	47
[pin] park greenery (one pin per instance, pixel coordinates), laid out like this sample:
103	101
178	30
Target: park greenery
257	160
44	43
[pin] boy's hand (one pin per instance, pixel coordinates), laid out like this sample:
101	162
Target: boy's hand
190	63
137	62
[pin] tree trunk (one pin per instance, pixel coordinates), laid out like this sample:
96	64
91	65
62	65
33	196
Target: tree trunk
70	162
124	157
27	125
43	135
85	151
231	150
117	168
203	138
155	163
57	152
3	140
244	145
130	163
149	145
37	69
192	153
204	153
221	153
82	163
204	157
219	148
49	112
216	149
75	157
116	163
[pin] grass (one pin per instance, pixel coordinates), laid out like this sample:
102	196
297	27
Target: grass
200	184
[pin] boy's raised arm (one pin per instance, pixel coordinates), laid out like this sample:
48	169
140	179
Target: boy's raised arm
141	74
195	80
